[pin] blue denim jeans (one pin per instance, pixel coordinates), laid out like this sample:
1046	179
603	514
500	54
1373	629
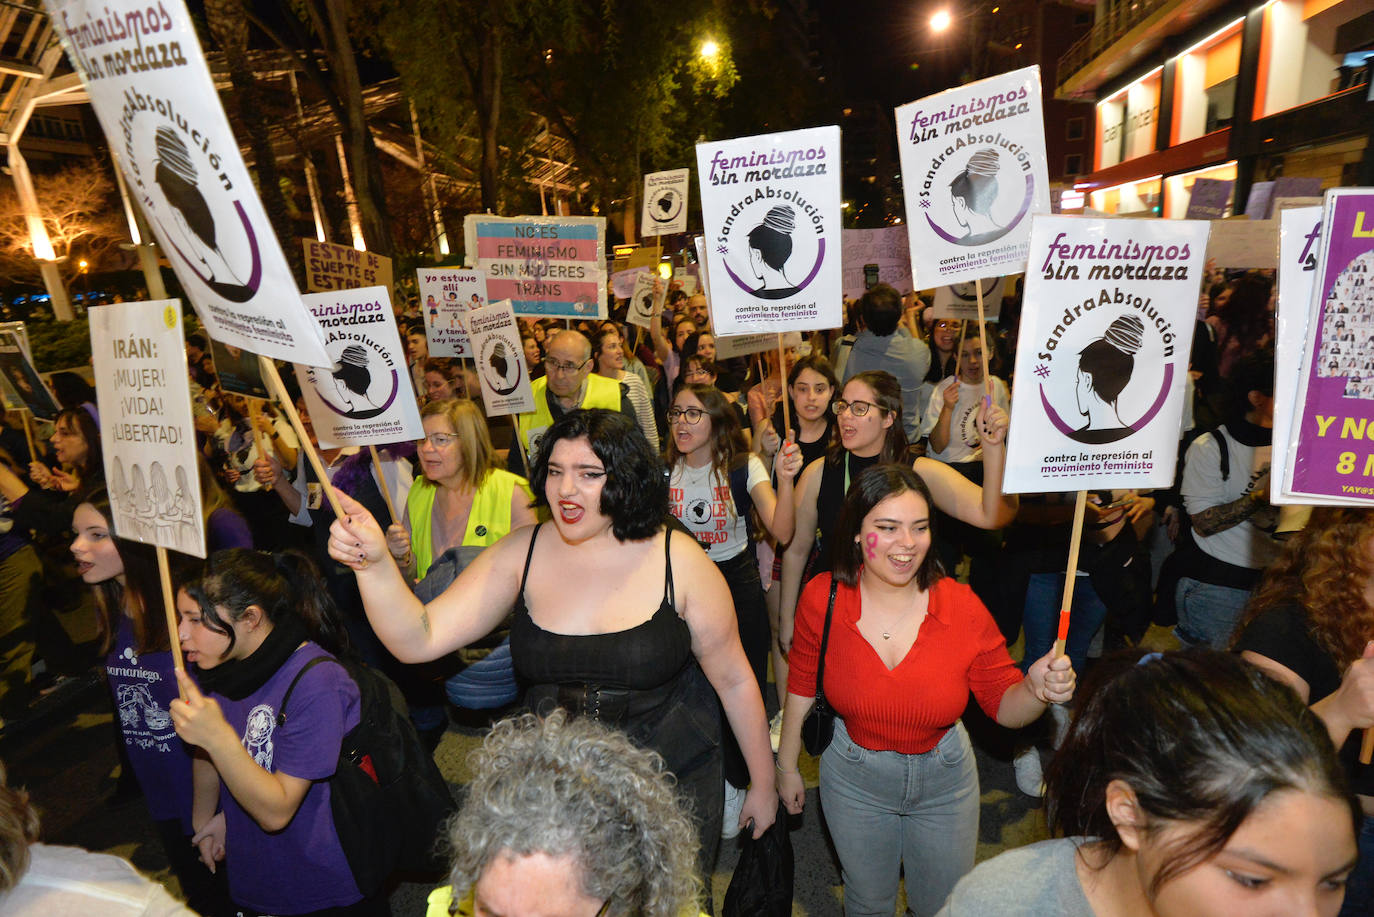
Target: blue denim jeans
888	811
1207	614
1040	618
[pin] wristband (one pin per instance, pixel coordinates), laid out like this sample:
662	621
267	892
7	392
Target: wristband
779	768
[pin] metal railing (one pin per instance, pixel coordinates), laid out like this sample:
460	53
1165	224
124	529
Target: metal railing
1120	19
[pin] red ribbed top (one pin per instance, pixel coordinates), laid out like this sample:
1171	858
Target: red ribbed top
908	709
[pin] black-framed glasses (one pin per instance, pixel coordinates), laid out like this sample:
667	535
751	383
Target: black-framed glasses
690	415
857	408
561	366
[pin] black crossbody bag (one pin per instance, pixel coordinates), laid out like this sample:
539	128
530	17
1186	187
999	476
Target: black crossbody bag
819	726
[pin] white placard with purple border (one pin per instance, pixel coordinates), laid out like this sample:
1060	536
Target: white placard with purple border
973	171
771	210
147	435
500	360
446	295
1102	354
364	397
148	82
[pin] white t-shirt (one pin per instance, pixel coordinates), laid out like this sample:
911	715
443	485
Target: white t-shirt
702	501
69	881
1245	545
964	444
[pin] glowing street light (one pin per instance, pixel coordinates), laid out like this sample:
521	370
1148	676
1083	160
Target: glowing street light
940	21
709	49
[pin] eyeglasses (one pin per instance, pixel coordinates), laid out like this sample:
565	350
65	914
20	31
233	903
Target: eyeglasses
696	371
691	415
559	366
857	408
440	440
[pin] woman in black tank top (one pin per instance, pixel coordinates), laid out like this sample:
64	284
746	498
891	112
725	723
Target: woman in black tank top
600	627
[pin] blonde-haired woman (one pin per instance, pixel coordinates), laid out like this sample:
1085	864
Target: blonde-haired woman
464	499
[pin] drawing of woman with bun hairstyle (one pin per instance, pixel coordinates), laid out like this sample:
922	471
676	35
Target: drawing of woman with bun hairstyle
352	378
176	175
972	194
770	245
1104	369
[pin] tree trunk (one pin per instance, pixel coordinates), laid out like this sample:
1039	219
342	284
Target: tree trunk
488	95
367	170
229	27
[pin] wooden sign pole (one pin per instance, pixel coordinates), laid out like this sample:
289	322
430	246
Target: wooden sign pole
1070	574
782	388
170	607
983	343
381	483
278	389
28	434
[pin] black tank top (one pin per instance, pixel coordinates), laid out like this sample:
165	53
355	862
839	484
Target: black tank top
830	504
645	657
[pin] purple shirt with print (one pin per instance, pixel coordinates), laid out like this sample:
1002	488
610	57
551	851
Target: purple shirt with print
301	868
143	686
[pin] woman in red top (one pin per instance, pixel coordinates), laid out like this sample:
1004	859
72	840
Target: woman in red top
907	645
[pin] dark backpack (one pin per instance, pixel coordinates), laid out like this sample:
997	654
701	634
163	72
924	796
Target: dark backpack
388	799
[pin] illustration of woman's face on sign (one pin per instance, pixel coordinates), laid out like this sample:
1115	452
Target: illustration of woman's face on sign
1104	369
770	247
973	192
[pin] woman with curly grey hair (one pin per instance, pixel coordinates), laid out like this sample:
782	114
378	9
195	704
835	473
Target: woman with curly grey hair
567	816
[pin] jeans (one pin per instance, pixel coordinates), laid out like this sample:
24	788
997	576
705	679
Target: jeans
1207	614
1040	618
888	811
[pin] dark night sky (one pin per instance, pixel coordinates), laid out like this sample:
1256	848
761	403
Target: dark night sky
875	42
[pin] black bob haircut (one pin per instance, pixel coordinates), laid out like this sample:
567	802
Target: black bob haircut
872	487
635	497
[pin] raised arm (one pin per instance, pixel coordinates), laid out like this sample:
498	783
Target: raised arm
468	610
778	508
985	507
798	550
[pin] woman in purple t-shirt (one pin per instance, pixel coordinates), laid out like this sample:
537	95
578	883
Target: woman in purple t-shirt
138	668
250	623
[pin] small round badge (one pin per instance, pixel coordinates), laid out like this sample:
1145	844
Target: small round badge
481	531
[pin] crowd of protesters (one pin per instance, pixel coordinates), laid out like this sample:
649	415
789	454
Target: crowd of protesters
665	534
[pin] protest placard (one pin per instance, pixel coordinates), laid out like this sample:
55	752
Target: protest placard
152	92
739	345
1330	428
364	397
445	298
546	266
873	256
960	300
1244	244
623	282
237	370
771	207
21	377
1103	350
147	435
665	203
686	281
500	360
1299	245
1208	199
643	301
330	266
973	170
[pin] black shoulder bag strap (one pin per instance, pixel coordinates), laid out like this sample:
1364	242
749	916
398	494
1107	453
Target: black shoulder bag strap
825	641
281	710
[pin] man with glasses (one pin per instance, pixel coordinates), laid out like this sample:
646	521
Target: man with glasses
886	344
567	384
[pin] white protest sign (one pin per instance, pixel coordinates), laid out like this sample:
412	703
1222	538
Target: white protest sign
699	246
739	345
960	300
642	300
500	360
148	82
146	430
665	203
546	266
364	397
445	298
1102	356
685	281
771	207
1299	246
973	170
1244	244
873	256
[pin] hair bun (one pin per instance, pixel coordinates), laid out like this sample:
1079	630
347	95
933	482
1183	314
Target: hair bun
1126	334
983	162
781	218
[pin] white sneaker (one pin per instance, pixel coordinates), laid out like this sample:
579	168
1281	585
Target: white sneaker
1030	778
734	805
775	731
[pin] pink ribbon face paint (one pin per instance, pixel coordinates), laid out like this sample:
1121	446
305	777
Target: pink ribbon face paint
870	540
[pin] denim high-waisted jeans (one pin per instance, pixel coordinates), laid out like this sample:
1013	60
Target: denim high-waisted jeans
887	811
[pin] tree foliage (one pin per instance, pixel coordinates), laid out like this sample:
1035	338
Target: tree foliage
82	213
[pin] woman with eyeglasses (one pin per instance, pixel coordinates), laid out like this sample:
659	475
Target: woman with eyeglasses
464	499
868	423
714	483
609	355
